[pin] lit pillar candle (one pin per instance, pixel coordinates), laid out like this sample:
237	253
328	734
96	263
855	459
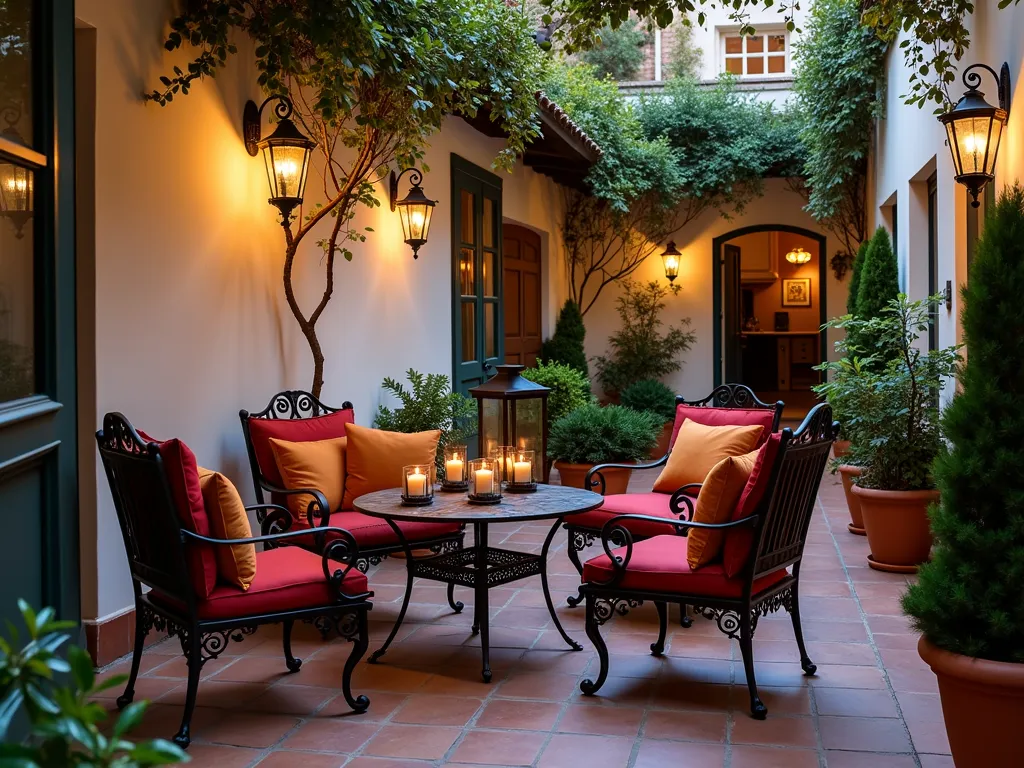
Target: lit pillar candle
453	469
522	471
416	483
483	482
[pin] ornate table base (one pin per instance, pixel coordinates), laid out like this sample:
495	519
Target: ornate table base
479	567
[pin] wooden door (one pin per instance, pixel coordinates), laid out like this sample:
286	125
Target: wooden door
521	262
38	450
477	334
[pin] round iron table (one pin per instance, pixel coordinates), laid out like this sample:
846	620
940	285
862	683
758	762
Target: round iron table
481	566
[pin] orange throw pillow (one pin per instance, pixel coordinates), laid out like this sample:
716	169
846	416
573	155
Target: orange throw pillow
716	501
228	520
375	458
698	448
318	464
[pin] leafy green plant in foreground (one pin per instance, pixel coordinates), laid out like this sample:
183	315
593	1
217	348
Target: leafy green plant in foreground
65	724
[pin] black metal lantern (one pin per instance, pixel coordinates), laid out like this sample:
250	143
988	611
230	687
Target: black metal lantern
17	183
512	411
286	152
974	128
671	259
414	209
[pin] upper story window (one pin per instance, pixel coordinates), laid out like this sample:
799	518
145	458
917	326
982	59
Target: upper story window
756	55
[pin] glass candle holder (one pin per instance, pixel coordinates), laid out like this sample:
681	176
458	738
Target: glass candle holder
503	457
417	490
484	481
523	478
456	471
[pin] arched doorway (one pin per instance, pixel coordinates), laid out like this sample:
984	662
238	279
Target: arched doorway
769	310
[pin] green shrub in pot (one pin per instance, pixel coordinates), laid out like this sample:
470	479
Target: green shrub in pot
594	435
652	396
570	389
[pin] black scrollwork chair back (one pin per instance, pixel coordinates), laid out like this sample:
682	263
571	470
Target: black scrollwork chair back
779	526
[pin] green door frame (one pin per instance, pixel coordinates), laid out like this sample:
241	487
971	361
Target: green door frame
716	282
38	433
466	176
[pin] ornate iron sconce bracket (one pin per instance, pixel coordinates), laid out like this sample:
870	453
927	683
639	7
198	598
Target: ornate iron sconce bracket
415	176
252	120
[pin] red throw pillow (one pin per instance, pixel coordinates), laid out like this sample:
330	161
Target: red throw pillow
318	428
724	417
183	477
739	540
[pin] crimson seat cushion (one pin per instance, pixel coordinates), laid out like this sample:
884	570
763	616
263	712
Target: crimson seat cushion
659	564
287	579
187	493
656	504
295	431
738	540
725	417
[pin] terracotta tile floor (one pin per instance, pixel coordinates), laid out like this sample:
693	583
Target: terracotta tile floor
873	702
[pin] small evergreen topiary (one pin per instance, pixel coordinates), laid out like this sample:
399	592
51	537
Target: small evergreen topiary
858	266
595	435
968	599
570	388
652	396
879	277
566	345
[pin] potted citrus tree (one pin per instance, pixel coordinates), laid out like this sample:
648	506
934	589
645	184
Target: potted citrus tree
593	435
654	397
967	601
896	430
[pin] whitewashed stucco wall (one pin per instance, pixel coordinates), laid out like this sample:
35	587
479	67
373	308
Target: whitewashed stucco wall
189	313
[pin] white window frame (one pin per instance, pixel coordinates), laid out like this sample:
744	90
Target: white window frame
764	55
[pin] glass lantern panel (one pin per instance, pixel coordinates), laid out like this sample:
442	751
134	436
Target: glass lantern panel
529	428
491	426
17	186
972	135
288	165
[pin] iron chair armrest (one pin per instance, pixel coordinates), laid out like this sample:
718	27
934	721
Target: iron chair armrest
276	515
317	509
681	498
343	549
590	482
615	535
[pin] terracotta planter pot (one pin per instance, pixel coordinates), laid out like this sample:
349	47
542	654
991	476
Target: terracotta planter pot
840	448
661	447
848	472
574	475
897	527
983	706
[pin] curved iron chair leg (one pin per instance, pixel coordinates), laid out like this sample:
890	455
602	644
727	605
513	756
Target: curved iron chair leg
757	708
290	661
141	630
360	643
658	647
195	663
547	591
456	605
589	687
375	656
808	666
574	558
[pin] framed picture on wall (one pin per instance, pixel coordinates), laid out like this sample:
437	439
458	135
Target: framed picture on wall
796	292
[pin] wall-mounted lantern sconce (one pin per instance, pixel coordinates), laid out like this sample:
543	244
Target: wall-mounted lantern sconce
671	259
798	256
974	128
414	209
17	183
286	152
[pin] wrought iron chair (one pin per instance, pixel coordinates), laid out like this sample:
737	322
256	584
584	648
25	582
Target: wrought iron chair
377	540
584	529
768	581
296	585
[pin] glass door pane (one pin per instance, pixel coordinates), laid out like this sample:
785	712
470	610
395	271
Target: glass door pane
16	71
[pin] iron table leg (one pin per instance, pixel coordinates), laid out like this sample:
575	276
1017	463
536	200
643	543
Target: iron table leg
481	610
405	601
547	592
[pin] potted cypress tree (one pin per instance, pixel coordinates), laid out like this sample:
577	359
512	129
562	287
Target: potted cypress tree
967	602
841	447
655	397
895	430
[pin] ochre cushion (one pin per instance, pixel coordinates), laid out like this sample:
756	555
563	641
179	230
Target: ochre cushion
716	503
287	579
183	477
236	564
739	540
655	504
375	532
723	417
659	565
318	464
295	431
699	447
375	458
